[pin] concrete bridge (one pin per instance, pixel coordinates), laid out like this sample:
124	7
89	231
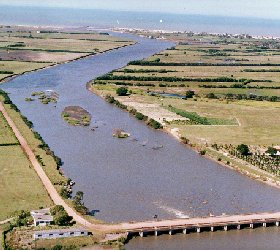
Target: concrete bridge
212	223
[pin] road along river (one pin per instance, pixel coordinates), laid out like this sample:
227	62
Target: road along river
123	179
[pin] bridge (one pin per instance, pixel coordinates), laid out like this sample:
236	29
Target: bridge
212	223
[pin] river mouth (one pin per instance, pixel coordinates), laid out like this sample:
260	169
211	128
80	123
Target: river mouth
128	180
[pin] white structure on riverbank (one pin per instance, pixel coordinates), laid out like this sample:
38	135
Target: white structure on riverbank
60	233
42	217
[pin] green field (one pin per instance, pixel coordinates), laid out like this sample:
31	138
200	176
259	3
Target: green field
20	186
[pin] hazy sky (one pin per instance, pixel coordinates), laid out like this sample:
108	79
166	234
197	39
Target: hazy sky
248	8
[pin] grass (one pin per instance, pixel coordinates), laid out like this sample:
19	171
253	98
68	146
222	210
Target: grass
50	166
78	242
20	187
258	123
19	67
6	133
197	119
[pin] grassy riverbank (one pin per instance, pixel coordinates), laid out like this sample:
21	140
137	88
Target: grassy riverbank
231	88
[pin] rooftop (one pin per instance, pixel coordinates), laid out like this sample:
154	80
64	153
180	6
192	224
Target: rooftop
66	230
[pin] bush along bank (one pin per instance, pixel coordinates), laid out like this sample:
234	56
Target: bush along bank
149	121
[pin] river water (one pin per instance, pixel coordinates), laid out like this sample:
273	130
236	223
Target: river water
128	180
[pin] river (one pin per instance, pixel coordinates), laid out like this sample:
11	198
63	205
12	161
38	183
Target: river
128	180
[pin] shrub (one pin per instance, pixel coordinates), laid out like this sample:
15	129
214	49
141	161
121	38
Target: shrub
211	96
190	94
154	124
243	149
271	151
122	91
202	152
185	140
139	116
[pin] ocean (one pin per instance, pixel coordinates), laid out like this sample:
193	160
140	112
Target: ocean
43	16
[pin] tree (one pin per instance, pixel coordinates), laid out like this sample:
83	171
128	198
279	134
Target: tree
79	204
62	219
271	151
211	96
122	91
60	216
190	94
21	218
243	149
56	209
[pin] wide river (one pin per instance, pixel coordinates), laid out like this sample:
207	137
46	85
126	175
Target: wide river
128	180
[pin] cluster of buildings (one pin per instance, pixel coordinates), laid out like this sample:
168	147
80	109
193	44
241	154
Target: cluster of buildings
43	218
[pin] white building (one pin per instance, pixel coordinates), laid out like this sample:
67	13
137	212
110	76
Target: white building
60	233
42	217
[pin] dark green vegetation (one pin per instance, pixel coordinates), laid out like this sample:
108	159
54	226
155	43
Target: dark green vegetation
122	91
79	204
243	149
61	218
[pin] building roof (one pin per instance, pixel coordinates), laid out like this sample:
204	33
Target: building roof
44	217
41	211
66	230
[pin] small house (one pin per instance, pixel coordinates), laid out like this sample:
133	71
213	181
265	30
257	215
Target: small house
42	217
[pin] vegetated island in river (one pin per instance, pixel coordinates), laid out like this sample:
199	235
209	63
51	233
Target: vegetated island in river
76	116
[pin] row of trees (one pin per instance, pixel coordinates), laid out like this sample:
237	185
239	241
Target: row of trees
111	77
155	63
231	96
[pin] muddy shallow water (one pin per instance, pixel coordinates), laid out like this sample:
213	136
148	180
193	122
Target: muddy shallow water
127	180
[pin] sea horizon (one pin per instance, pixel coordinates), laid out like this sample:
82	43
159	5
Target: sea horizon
108	19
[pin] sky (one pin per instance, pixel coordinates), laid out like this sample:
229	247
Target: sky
245	8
